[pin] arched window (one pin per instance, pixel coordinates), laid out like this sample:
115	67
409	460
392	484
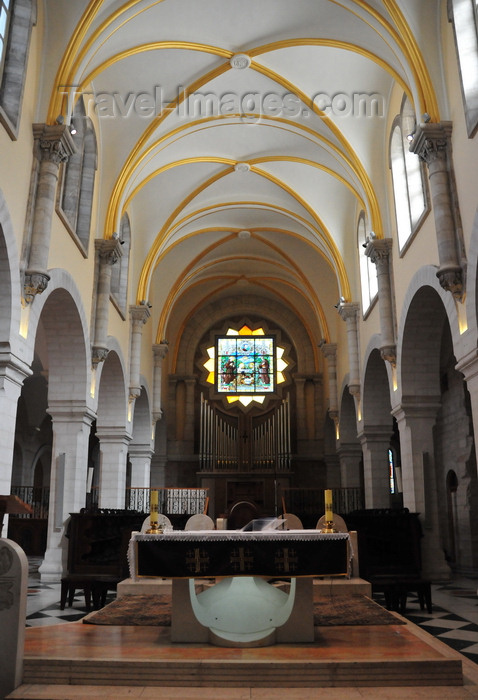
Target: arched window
368	274
464	16
16	20
409	190
119	273
78	179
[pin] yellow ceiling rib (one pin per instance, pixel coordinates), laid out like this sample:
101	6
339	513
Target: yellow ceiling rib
334	44
168	166
416	60
152	46
74	55
61	79
409	47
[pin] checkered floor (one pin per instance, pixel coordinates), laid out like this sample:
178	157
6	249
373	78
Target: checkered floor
454	618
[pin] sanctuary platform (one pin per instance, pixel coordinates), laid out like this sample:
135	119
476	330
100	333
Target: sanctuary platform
387	655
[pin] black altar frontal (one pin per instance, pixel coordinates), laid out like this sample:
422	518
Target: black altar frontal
240	608
292	553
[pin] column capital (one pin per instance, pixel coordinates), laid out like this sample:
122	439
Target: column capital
109	250
54	141
379	249
348	310
34	282
140	314
329	351
421	407
468	365
67	410
430	141
160	350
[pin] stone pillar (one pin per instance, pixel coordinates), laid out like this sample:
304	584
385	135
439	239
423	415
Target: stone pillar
468	366
139	315
299	382
109	251
348	312
54	145
379	253
189	418
375	442
160	351
416	420
13	610
13	372
140	458
431	143
350	456
329	351
114	444
71	425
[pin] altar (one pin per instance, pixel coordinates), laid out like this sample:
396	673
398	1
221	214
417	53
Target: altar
240	607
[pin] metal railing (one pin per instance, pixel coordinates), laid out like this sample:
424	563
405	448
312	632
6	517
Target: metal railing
37	498
173	501
176	501
312	501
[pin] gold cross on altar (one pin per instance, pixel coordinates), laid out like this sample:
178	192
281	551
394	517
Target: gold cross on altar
197	560
286	559
241	559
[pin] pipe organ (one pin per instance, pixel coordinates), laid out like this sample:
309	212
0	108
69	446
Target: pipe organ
244	443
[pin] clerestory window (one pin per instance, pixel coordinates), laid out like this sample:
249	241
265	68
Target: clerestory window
410	195
368	273
463	14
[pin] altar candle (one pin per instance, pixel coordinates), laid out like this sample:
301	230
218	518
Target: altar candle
329	516
153	505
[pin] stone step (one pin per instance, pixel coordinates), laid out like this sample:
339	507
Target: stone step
212	673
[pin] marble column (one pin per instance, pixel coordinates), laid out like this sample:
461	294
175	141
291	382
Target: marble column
431	143
139	315
468	366
379	250
350	456
190	383
109	251
160	351
416	420
71	425
299	381
114	443
348	311
13	372
140	458
329	351
54	145
375	441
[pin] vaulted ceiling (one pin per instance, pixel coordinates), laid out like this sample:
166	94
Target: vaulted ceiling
228	132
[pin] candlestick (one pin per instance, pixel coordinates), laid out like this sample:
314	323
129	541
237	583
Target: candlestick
329	515
153	512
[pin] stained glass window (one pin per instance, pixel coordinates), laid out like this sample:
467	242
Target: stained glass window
245	364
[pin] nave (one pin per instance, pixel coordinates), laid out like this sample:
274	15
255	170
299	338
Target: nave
454	621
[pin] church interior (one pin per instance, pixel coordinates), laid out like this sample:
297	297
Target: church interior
239	245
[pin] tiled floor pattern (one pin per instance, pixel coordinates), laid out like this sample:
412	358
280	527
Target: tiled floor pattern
454	619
